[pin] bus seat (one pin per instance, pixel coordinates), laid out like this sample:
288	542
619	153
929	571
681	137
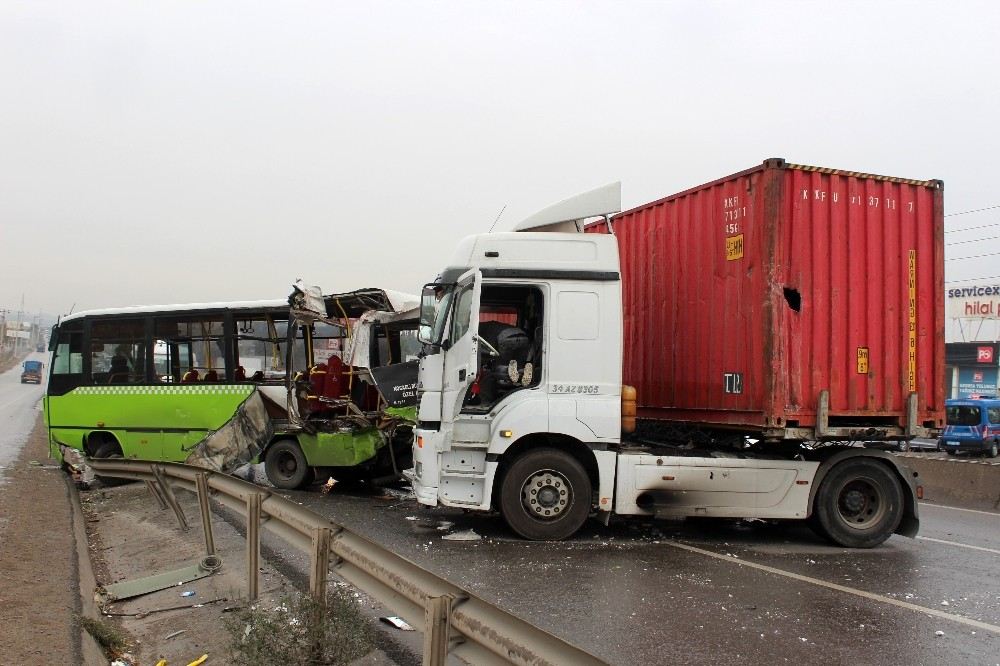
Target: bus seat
334	385
317	377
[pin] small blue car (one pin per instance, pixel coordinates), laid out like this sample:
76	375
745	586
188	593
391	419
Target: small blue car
971	425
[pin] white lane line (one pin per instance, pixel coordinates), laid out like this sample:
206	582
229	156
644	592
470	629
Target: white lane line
985	626
961	545
958	508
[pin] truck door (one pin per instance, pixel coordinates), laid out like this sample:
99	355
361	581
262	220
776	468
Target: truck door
461	346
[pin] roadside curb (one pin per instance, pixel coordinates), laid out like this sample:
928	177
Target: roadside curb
90	651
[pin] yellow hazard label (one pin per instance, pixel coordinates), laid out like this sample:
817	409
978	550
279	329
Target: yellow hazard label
911	344
734	247
862	360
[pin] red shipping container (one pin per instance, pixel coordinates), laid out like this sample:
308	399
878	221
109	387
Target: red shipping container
792	301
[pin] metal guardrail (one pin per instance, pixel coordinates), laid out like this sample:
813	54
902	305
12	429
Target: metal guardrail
453	620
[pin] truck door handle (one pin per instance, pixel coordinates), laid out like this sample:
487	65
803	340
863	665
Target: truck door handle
461	375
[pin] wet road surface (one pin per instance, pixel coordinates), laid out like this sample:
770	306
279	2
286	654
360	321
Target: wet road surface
18	408
700	591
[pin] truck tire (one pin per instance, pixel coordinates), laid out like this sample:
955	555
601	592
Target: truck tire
286	466
859	504
109	449
545	495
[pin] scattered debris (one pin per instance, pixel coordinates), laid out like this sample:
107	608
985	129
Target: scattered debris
201	568
397	622
142	614
467	535
445	525
188	593
939	633
174	634
945	603
328	486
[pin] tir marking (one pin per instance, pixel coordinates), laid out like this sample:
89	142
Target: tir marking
839	588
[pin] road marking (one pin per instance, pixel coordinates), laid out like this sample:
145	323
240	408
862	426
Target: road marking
957	508
871	596
962	545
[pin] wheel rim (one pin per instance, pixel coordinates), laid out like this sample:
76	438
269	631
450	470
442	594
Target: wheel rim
286	464
861	503
546	495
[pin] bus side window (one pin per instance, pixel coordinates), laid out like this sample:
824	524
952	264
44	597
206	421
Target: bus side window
118	351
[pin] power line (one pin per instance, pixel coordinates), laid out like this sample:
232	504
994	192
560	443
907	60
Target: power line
974	256
981	226
977	210
978	279
972	240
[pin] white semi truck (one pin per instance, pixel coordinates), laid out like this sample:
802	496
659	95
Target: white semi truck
521	406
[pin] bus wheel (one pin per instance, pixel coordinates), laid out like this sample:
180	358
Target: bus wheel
545	495
109	448
859	504
286	466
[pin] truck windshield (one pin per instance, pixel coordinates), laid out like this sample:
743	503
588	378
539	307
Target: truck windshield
964	415
435	301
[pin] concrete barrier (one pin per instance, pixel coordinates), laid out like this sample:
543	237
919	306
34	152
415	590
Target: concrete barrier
971	483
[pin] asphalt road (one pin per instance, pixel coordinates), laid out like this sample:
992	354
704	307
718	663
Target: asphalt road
17	410
691	592
700	591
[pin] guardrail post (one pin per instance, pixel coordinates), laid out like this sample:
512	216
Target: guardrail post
437	627
168	495
201	481
320	561
155	492
253	544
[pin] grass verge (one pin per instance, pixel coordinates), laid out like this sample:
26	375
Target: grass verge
299	630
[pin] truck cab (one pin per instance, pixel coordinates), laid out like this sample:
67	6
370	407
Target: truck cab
522	352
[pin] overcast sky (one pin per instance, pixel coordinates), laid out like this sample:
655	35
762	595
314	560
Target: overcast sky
162	152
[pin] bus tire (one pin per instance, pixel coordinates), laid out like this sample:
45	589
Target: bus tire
108	448
859	504
545	495
286	466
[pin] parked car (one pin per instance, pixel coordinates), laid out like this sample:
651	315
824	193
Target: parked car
972	425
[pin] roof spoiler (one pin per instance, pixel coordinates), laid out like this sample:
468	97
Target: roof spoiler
567	214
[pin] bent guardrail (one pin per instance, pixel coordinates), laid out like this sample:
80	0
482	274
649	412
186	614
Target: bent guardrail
453	620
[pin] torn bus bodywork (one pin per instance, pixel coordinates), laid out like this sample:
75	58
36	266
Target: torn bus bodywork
350	404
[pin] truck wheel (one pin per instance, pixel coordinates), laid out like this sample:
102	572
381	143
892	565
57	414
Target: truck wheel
859	504
109	449
545	495
286	465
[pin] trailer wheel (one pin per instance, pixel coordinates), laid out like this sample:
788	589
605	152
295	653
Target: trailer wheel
859	504
545	495
286	465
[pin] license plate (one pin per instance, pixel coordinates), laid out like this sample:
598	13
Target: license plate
951	443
